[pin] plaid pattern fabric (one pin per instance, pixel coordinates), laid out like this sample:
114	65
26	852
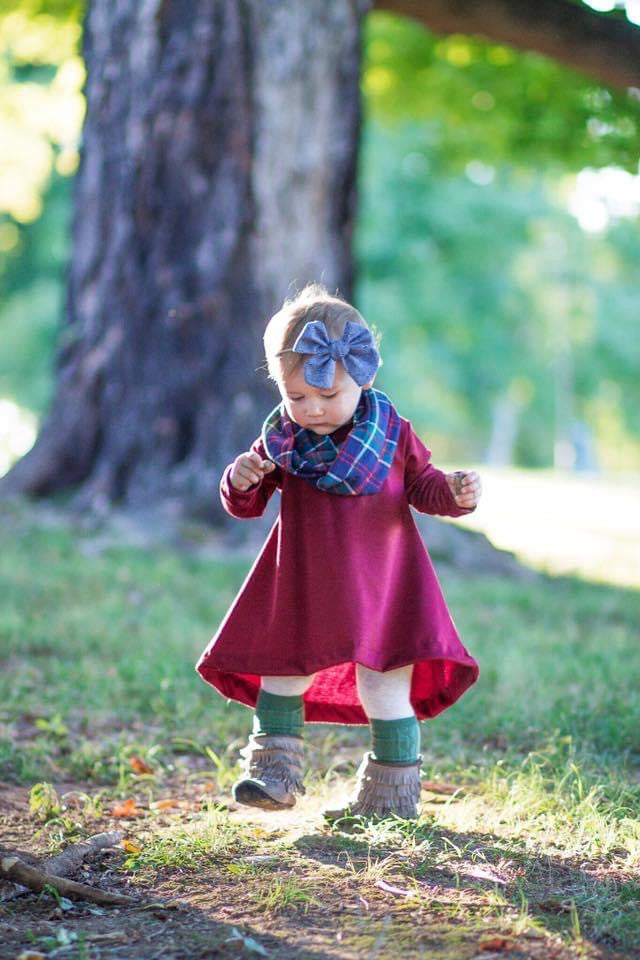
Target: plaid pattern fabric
357	466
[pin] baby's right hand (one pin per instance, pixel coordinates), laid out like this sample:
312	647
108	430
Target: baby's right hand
249	469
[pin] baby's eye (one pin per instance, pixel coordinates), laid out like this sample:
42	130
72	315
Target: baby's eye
329	396
296	399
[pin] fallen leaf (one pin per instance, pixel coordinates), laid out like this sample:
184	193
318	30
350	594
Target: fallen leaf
31	955
162	905
130	846
498	945
484	873
127	808
247	942
553	905
396	891
437	786
261	834
166	804
138	765
115	937
209	787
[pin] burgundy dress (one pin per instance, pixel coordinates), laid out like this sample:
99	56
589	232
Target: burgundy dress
342	580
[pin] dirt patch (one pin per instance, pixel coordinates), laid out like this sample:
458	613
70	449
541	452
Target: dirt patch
278	885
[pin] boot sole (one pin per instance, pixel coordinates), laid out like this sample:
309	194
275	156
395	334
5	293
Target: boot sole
251	795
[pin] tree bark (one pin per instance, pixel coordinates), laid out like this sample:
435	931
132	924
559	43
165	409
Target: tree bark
217	173
606	48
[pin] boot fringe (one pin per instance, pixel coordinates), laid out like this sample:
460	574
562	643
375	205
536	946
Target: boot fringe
280	772
272	770
383	790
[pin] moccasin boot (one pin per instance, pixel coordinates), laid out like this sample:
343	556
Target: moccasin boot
383	790
272	772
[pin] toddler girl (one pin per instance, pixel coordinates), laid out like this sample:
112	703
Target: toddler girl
341	618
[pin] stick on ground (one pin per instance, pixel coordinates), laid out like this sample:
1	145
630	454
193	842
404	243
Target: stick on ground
63	864
16	870
66	863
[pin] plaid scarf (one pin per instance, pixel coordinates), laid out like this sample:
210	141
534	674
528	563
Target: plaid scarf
359	465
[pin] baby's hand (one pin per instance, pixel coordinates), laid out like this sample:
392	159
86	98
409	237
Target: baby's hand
249	469
465	487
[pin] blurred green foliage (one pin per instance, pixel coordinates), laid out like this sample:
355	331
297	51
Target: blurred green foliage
508	330
491	298
489	102
41	110
506	326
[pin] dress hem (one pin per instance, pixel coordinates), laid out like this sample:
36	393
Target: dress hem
429	696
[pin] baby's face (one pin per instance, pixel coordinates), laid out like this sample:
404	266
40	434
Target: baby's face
317	409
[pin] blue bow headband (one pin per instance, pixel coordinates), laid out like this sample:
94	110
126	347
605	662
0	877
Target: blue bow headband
355	350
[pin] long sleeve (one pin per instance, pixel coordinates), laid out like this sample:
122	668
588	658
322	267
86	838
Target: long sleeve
426	486
250	503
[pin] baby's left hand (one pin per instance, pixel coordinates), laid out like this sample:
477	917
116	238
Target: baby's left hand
465	487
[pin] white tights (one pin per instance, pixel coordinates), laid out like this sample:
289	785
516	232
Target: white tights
384	696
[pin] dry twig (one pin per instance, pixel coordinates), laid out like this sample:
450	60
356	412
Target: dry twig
66	863
16	870
63	864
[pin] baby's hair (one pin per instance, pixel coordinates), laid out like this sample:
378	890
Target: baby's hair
314	302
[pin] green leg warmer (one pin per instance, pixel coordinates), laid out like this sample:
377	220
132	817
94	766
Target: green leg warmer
396	741
282	716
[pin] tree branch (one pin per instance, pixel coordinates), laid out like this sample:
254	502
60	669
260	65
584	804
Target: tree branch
66	863
16	870
605	48
63	864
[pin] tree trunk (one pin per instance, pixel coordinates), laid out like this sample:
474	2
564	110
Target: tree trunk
504	429
217	174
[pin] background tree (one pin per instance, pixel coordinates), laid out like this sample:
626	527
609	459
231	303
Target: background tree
218	168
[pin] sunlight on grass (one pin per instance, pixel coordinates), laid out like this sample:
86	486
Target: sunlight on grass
564	523
283	893
212	835
565	811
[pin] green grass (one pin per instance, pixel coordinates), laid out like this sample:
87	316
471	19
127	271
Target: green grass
105	645
97	654
211	836
108	643
282	894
